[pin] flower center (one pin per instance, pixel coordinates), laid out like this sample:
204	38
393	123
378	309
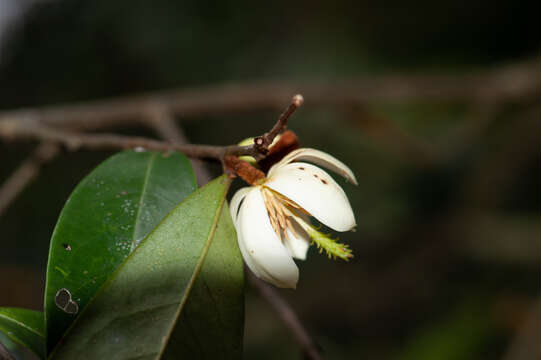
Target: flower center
279	209
282	211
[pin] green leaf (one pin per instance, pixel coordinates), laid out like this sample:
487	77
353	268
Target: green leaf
106	216
187	273
25	327
211	325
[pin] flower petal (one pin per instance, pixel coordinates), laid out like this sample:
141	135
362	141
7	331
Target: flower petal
319	158
236	200
256	269
268	257
298	245
316	192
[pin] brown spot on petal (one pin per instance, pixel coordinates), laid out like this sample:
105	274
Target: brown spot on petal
301	168
324	181
315	175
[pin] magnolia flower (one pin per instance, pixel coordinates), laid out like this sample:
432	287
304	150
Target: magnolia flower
272	217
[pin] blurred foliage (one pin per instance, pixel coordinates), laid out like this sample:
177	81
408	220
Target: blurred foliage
446	251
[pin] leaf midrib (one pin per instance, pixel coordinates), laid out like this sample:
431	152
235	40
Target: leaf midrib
141	200
197	269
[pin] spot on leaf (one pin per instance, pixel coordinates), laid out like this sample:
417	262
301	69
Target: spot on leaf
64	301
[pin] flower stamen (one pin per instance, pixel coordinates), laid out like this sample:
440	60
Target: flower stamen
271	211
278	214
282	210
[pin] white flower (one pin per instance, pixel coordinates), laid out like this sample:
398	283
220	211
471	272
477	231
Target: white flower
272	218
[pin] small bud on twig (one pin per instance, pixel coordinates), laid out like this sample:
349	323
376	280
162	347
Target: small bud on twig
298	100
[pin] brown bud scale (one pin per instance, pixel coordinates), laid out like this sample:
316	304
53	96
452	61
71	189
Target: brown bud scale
287	143
243	169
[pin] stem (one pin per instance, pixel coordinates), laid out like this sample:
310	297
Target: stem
262	143
34	130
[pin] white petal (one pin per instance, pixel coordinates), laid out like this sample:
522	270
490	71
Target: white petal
236	200
316	192
268	257
317	157
256	269
298	246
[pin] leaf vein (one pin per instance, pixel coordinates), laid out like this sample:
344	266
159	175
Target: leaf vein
141	201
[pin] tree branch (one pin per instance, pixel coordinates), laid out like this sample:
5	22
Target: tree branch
25	174
24	130
520	81
262	143
34	130
165	126
288	317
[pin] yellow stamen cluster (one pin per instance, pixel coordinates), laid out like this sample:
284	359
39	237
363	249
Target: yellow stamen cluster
279	214
282	210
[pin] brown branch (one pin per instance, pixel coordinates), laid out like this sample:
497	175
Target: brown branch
262	143
288	317
34	130
165	126
515	82
25	174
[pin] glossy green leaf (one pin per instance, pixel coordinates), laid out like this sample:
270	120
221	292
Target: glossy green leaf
187	273
211	325
25	327
106	216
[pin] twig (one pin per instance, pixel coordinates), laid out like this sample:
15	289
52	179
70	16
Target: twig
288	317
33	130
25	174
262	143
515	82
165	126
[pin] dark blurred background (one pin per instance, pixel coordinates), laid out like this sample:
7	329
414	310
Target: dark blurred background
448	244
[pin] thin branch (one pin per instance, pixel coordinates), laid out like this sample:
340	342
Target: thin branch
33	130
262	143
288	317
165	126
25	174
520	81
